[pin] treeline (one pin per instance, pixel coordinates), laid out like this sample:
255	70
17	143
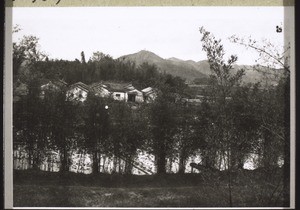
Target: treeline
231	122
99	67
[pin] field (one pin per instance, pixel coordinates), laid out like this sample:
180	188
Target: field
45	189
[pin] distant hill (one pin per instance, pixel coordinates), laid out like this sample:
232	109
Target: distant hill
187	69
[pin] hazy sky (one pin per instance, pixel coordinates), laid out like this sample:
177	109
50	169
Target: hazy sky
167	31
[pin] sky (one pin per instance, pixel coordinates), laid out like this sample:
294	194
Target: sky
64	32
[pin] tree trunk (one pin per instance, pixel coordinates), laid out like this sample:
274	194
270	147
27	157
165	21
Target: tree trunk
269	157
95	162
64	160
36	158
115	159
161	163
209	159
287	138
240	164
182	162
128	165
229	156
30	158
236	161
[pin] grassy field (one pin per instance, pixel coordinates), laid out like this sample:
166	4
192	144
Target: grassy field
45	189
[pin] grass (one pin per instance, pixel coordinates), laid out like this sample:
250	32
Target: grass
44	189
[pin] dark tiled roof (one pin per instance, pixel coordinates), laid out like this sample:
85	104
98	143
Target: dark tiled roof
80	85
117	87
58	83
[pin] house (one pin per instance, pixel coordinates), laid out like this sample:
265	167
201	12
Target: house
78	92
19	90
55	85
134	95
117	90
124	92
149	94
192	101
100	90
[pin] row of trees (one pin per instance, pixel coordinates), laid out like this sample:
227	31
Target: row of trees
234	127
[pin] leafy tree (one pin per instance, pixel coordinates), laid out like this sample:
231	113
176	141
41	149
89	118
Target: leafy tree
223	82
275	125
26	53
65	115
245	112
162	121
27	122
125	138
147	74
82	57
188	135
276	59
97	127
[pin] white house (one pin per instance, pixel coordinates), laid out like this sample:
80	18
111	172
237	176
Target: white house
149	94
124	92
134	95
118	91
55	85
78	92
100	90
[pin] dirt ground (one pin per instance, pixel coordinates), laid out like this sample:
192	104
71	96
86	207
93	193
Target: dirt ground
188	190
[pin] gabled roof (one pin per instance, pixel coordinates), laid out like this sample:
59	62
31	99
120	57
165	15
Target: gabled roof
148	91
58	83
80	85
135	92
118	87
97	86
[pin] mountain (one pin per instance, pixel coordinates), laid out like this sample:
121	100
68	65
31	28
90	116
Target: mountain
188	70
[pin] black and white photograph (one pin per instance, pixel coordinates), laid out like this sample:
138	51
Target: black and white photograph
153	107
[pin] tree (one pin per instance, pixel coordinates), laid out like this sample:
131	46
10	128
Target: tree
127	134
270	56
147	74
188	135
27	122
82	57
66	115
276	125
245	109
26	53
97	127
223	82
162	121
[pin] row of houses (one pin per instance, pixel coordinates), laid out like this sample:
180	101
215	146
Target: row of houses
118	91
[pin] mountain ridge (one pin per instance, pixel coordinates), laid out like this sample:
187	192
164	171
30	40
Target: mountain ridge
173	66
186	69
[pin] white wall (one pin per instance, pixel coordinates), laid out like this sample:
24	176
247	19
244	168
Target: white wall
122	96
75	94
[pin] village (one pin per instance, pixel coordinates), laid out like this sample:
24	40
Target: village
82	162
130	117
